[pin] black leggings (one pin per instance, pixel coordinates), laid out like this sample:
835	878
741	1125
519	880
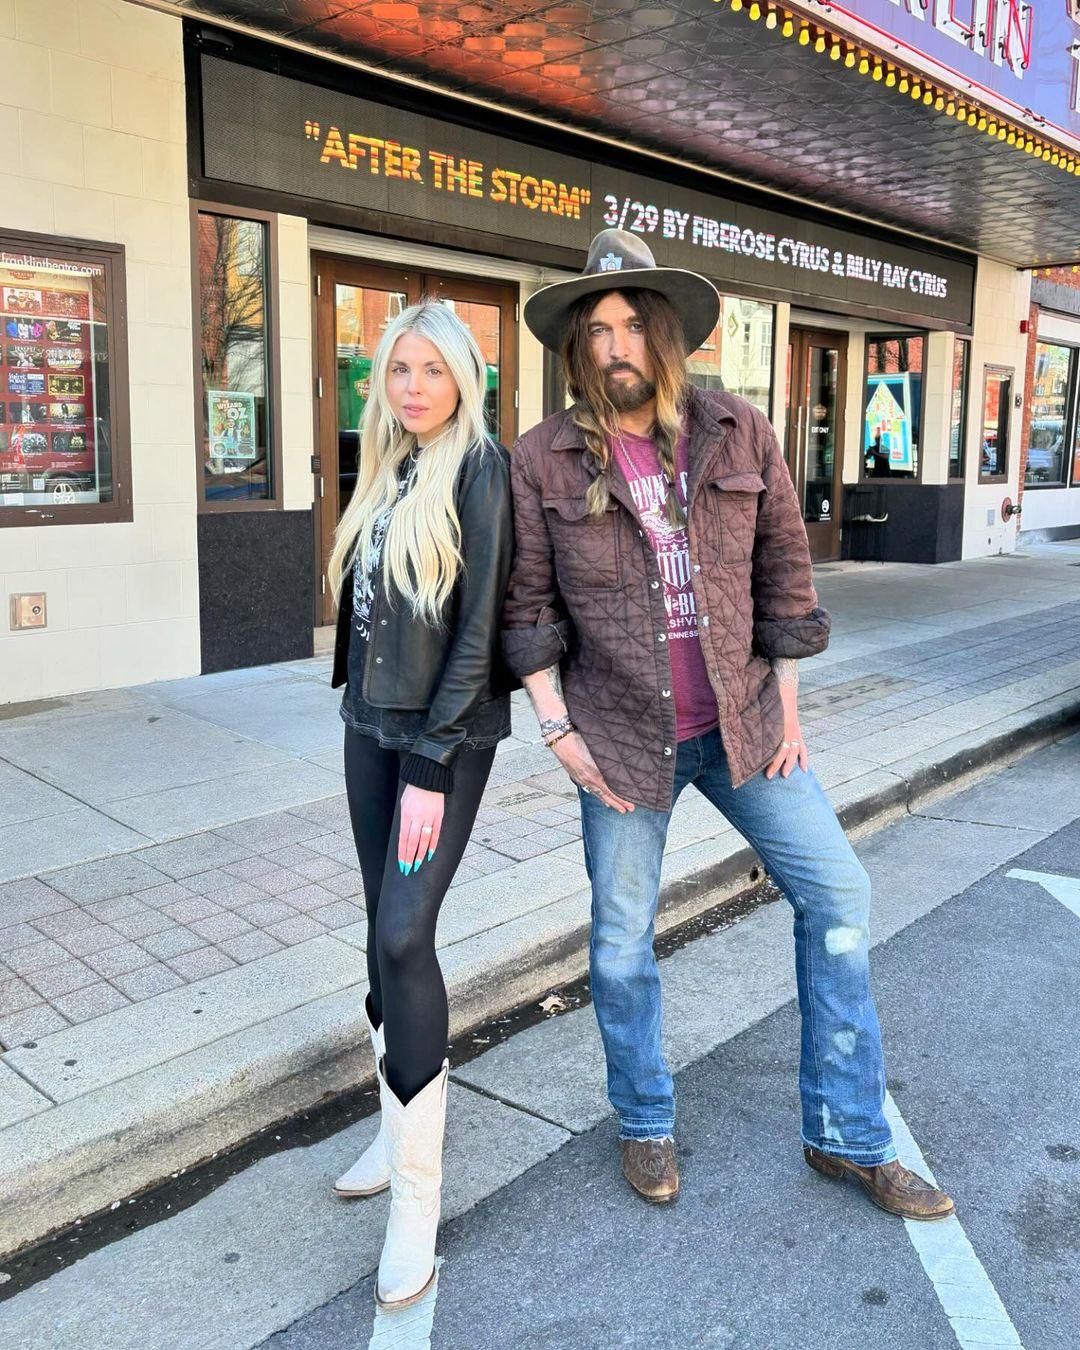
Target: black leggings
407	990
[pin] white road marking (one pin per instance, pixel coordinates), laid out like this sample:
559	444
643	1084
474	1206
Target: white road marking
1065	889
408	1327
970	1302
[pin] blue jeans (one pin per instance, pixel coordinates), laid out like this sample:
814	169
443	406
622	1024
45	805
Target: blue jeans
795	832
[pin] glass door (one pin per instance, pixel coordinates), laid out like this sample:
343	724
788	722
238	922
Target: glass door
354	304
816	371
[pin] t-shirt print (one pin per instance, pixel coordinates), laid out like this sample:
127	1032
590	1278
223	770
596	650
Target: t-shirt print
695	703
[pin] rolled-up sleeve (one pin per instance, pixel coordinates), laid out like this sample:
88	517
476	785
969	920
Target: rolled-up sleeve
535	629
788	621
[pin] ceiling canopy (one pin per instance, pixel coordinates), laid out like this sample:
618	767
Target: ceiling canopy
695	81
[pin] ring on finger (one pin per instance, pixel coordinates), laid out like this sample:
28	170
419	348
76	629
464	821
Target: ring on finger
425	829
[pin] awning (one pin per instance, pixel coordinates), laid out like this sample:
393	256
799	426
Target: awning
867	125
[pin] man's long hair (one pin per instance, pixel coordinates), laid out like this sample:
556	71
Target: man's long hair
594	413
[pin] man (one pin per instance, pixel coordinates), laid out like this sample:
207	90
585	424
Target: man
660	594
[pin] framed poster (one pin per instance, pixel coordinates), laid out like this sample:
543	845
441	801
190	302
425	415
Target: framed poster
230	424
887	428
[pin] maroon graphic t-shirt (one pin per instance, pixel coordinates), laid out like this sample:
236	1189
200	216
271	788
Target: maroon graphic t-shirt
637	460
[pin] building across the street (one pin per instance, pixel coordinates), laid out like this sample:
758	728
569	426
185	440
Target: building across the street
206	223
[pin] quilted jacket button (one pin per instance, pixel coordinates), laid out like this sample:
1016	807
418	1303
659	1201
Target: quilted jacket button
667	749
383	623
697	567
654	584
378	660
665	693
661	637
704	621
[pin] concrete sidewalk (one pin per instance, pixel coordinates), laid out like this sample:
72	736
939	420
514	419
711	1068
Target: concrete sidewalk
181	919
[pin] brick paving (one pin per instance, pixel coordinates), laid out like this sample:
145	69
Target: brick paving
81	941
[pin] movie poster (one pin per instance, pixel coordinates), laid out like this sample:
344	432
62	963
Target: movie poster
230	424
49	328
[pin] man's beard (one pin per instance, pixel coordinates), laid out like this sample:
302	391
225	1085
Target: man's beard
628	395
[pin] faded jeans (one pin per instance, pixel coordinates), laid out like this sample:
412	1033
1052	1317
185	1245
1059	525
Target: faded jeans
793	829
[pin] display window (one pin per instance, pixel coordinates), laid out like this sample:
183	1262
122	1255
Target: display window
996	405
64	454
892	406
1053	429
236	419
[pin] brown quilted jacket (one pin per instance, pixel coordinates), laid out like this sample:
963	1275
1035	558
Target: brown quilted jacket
585	593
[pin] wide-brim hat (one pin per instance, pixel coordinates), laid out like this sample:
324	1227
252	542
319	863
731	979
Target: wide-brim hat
618	261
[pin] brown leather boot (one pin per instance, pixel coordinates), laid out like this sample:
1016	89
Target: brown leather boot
892	1186
649	1166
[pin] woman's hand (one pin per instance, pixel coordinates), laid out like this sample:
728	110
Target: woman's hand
573	754
793	748
421	821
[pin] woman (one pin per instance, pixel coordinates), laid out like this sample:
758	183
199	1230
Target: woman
419	565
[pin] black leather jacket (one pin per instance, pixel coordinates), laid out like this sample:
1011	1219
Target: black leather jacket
446	671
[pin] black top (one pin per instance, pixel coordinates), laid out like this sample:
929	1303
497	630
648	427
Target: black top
433	690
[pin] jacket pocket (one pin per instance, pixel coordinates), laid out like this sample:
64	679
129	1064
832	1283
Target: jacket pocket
733	502
586	546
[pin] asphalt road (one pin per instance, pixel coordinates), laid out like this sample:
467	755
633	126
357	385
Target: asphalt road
978	1001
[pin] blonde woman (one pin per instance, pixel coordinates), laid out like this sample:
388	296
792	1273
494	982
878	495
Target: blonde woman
419	566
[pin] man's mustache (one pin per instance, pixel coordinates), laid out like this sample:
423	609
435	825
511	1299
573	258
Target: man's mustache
623	365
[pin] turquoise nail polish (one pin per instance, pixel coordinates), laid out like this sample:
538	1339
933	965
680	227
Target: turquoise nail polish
416	864
431	854
401	867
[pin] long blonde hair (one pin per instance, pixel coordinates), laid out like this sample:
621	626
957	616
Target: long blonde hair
592	411
422	549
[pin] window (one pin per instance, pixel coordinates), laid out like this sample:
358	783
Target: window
1053	415
997	399
892	406
958	413
238	466
738	354
64	452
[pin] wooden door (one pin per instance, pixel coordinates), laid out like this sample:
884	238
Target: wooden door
817	379
354	302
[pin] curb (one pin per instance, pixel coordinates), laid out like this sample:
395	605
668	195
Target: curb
72	1160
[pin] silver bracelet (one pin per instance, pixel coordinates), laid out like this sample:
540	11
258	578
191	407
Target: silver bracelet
555	727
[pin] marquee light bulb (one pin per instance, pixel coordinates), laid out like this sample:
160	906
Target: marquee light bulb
982	122
1011	138
973	119
804	36
961	113
878	70
950	108
788	28
754	12
736	5
770	19
835	52
864	66
928	97
890	80
939	103
820	44
849	59
1002	133
991	129
916	91
904	84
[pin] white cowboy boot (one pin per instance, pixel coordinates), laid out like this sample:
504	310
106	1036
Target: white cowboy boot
371	1171
414	1141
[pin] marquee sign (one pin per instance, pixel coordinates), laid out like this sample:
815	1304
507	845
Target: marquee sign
1024	54
268	131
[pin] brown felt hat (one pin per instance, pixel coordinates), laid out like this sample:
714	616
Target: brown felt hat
619	260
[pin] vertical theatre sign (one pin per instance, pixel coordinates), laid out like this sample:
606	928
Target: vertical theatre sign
1023	55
